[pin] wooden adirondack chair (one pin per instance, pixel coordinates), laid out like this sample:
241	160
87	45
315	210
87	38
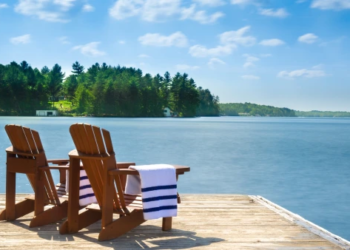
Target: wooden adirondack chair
107	178
27	156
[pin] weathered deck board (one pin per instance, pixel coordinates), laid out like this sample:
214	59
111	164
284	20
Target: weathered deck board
204	222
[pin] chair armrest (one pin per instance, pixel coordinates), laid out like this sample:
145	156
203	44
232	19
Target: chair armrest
59	167
12	150
124	171
125	164
76	154
58	161
48	168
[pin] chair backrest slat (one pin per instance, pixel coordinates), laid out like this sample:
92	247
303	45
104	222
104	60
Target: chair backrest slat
108	141
30	140
92	169
101	148
99	139
76	138
48	190
93	147
37	140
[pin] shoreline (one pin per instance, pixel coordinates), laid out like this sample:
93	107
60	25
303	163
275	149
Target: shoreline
194	117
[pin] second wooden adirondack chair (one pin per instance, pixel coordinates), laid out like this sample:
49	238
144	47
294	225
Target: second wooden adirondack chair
107	178
27	156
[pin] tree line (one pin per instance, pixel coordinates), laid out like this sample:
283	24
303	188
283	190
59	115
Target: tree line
316	113
250	109
102	90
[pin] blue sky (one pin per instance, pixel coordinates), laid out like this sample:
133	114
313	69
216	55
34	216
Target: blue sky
290	53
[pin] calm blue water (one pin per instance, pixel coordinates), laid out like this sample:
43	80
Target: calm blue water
302	164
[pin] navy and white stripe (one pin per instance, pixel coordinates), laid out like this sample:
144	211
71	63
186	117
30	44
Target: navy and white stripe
86	194
157	184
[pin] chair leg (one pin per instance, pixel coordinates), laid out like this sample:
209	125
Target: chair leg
122	225
89	217
10	196
64	227
49	216
3	214
86	218
21	208
167	223
24	207
39	193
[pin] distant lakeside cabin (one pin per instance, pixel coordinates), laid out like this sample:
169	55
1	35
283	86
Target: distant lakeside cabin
46	113
167	112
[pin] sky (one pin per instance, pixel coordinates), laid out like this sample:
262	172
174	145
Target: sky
285	53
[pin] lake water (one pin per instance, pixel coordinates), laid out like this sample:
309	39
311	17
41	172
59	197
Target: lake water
302	164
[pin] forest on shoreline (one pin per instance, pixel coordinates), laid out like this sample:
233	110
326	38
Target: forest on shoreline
101	90
316	113
106	91
250	109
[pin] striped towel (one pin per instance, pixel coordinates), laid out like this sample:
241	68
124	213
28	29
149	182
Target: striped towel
86	194
157	184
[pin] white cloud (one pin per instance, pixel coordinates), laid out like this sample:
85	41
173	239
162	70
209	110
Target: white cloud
248	65
150	10
65	4
121	42
64	40
155	10
20	39
306	73
318	66
211	3
126	8
228	42
214	61
154	39
186	67
334	42
265	55
251	58
200	16
281	13
90	49
249	61
202	51
250	77
308	38
88	8
243	2
238	37
272	42
143	56
38	8
3	5
331	4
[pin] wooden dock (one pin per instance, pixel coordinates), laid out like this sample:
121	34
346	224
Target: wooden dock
204	222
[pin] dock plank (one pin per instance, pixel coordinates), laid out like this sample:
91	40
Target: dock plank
204	222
